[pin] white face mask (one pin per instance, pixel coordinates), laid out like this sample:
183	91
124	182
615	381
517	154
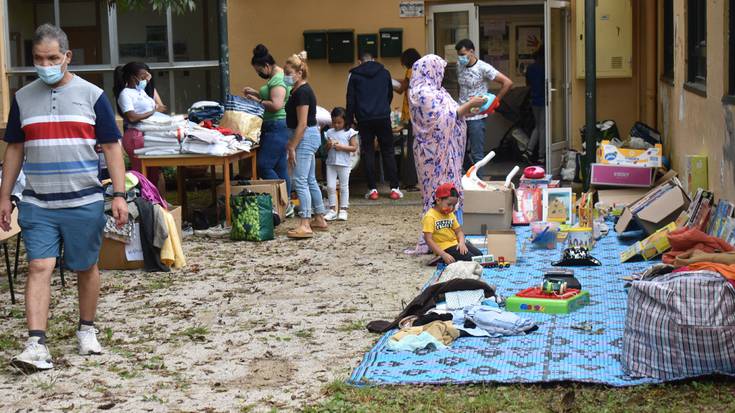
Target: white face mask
142	84
288	80
50	75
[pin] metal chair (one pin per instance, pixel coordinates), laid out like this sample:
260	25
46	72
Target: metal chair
12	277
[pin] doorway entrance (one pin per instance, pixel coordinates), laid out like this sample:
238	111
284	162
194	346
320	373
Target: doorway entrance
507	34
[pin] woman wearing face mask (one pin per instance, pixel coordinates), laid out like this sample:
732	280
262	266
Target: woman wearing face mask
137	99
303	144
272	162
439	133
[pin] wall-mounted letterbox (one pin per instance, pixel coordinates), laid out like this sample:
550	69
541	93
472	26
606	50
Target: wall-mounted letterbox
367	43
315	44
391	42
341	46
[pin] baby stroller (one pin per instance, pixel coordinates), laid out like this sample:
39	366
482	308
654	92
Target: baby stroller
516	108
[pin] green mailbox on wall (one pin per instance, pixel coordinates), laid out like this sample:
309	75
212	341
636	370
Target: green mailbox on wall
367	43
315	44
341	45
391	42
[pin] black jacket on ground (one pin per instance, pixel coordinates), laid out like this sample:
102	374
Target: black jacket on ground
369	92
428	299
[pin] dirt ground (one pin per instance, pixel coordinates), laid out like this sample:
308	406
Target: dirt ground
245	327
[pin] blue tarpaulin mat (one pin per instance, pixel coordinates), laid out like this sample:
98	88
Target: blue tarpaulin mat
555	352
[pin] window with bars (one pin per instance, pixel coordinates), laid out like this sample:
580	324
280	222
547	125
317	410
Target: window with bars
182	49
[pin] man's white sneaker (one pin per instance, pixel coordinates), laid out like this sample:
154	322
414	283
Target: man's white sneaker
88	343
34	358
331	215
342	216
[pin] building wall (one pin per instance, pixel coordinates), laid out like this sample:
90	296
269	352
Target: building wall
617	99
695	124
279	25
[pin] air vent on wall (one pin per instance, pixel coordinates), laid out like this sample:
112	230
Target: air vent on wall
616	62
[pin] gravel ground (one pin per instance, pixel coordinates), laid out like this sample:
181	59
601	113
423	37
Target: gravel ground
245	327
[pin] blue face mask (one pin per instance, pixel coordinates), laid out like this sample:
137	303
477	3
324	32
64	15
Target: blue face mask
463	60
141	85
50	75
288	80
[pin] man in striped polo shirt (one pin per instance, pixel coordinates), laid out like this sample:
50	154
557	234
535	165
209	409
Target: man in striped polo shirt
53	127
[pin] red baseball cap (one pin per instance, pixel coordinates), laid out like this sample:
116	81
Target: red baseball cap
444	190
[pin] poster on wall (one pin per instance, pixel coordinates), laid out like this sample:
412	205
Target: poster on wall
528	41
412	8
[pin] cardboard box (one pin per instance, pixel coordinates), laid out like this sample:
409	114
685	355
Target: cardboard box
651	247
112	253
487	210
276	188
656	209
502	243
695	173
619	175
609	154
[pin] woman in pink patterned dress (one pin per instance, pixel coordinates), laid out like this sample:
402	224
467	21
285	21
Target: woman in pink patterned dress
439	130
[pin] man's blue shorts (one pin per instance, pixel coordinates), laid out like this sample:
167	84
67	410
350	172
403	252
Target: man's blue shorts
80	228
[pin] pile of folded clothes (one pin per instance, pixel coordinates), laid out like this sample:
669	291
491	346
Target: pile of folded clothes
206	110
203	140
162	134
241	104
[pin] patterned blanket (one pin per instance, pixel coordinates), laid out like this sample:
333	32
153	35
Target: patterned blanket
556	352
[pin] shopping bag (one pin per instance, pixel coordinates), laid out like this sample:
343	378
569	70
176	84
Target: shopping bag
252	217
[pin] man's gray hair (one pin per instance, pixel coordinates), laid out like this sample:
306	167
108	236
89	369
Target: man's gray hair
48	31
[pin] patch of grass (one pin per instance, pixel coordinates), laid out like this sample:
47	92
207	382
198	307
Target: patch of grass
196	333
124	373
154	363
161	283
62	327
8	342
352	326
154	398
709	395
307	334
45	383
17	312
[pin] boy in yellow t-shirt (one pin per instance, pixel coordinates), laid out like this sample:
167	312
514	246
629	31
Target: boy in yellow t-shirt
442	231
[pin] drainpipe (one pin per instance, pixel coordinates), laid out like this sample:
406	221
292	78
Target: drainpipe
224	51
590	103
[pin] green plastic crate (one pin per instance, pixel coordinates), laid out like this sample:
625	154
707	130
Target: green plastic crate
547	306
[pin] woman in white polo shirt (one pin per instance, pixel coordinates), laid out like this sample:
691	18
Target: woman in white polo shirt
137	99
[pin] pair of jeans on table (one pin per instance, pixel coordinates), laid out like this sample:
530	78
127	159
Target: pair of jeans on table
304	174
272	154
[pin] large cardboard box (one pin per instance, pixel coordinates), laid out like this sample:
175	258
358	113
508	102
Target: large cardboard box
276	188
502	243
660	206
610	154
487	210
620	175
112	253
695	173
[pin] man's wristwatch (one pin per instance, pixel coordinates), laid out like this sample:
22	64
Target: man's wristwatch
119	195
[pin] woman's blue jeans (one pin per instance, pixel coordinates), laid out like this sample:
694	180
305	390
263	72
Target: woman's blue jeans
272	154
304	174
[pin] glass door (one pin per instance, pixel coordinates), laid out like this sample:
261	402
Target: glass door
449	24
558	86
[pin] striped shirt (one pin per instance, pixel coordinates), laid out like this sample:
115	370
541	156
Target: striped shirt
60	128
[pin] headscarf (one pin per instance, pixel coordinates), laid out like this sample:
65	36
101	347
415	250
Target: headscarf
430	103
